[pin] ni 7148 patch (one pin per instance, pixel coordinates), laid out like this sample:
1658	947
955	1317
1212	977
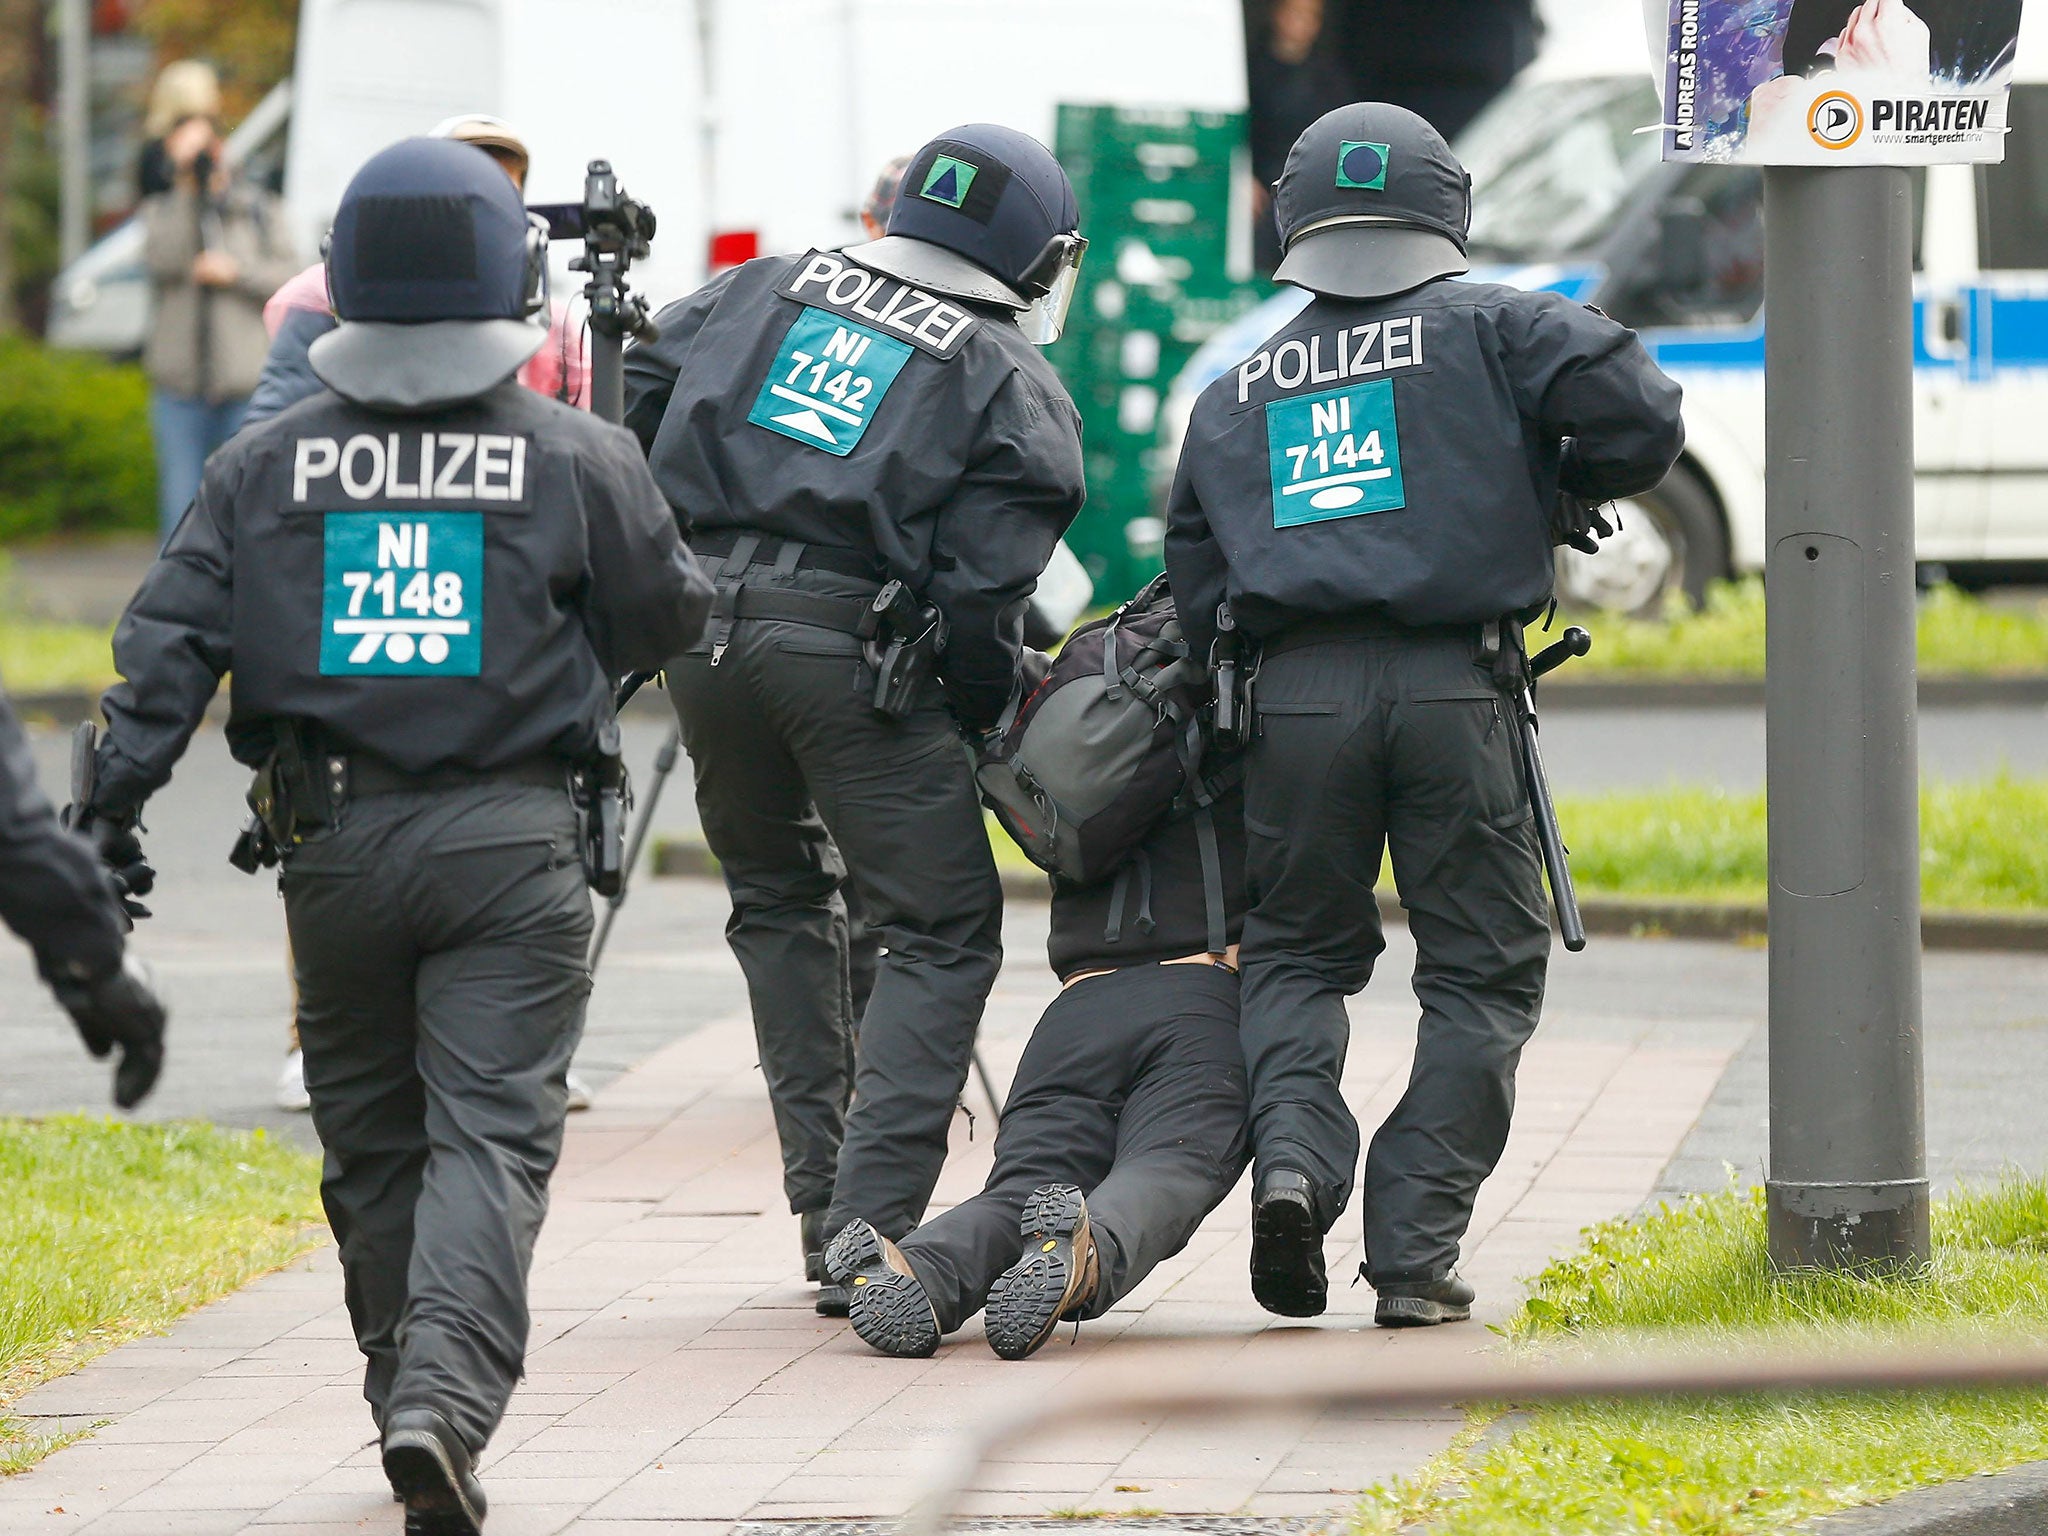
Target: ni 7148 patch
403	595
1334	455
827	380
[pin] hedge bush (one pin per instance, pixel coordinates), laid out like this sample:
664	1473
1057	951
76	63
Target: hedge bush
75	452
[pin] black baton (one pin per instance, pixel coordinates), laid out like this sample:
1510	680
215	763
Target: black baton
1556	861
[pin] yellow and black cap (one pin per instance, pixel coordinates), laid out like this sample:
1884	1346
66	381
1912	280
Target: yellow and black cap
1371	203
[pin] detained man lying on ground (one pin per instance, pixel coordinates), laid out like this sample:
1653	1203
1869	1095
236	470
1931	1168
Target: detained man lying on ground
1124	1128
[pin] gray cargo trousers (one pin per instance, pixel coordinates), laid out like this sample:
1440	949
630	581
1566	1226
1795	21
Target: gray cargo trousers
1133	1088
793	769
1389	743
439	939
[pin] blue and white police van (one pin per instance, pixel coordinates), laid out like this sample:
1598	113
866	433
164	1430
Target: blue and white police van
1570	194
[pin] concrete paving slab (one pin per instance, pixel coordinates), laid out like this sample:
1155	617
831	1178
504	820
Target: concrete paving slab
680	1382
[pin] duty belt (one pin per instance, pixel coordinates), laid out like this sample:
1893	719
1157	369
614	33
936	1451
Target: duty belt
361	774
300	790
737	600
1362	626
715	544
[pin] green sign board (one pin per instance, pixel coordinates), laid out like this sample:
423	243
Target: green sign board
1165	205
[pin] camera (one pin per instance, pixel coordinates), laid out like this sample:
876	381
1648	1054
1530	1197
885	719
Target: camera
616	231
606	216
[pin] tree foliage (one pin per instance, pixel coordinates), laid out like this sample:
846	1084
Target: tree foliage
249	42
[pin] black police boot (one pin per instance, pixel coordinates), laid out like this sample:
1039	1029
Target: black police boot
1421	1303
813	1229
1287	1247
888	1305
429	1468
1056	1277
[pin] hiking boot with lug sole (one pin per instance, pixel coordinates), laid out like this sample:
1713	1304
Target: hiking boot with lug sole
812	1229
429	1467
1421	1303
1287	1247
889	1308
1054	1280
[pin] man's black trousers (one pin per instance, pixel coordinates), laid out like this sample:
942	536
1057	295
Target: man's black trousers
792	762
439	940
1133	1088
1397	743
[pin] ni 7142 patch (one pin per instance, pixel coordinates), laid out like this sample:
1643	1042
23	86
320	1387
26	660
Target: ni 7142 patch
828	378
403	595
1334	455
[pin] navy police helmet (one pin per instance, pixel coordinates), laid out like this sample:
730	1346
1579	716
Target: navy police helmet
431	229
1371	202
436	272
994	219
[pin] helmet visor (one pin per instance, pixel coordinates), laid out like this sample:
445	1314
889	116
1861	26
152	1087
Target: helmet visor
1052	280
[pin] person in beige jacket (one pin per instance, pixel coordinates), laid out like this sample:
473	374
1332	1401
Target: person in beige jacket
216	247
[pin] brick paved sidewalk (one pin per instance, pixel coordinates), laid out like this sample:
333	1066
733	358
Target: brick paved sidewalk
679	1381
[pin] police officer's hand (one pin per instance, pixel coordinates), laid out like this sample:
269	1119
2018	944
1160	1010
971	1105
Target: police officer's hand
120	851
1579	523
120	1008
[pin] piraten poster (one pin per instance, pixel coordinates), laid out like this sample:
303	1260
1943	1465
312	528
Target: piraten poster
1838	82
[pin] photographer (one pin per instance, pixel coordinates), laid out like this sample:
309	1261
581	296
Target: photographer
215	246
427	695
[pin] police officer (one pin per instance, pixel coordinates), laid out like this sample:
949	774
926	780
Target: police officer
833	422
425	580
1377	491
59	900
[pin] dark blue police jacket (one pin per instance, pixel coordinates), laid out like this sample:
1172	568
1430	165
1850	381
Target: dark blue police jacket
1398	458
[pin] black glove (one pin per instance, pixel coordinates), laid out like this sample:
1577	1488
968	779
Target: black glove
120	850
1579	523
120	1008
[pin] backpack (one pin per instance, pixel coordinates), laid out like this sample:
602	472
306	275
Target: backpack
1102	750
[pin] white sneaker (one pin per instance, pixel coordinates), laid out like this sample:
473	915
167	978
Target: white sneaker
291	1084
579	1093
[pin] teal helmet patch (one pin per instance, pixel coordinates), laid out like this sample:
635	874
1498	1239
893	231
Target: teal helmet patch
948	180
1362	167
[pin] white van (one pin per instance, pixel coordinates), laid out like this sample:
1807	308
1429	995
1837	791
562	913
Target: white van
762	122
1569	196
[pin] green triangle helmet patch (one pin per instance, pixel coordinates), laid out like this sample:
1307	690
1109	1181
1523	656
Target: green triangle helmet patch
947	181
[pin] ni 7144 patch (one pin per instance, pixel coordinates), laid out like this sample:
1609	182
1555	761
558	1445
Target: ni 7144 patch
1334	455
827	380
403	595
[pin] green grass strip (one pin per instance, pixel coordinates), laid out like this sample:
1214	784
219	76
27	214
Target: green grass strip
1983	845
1959	635
113	1230
1696	1278
40	657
